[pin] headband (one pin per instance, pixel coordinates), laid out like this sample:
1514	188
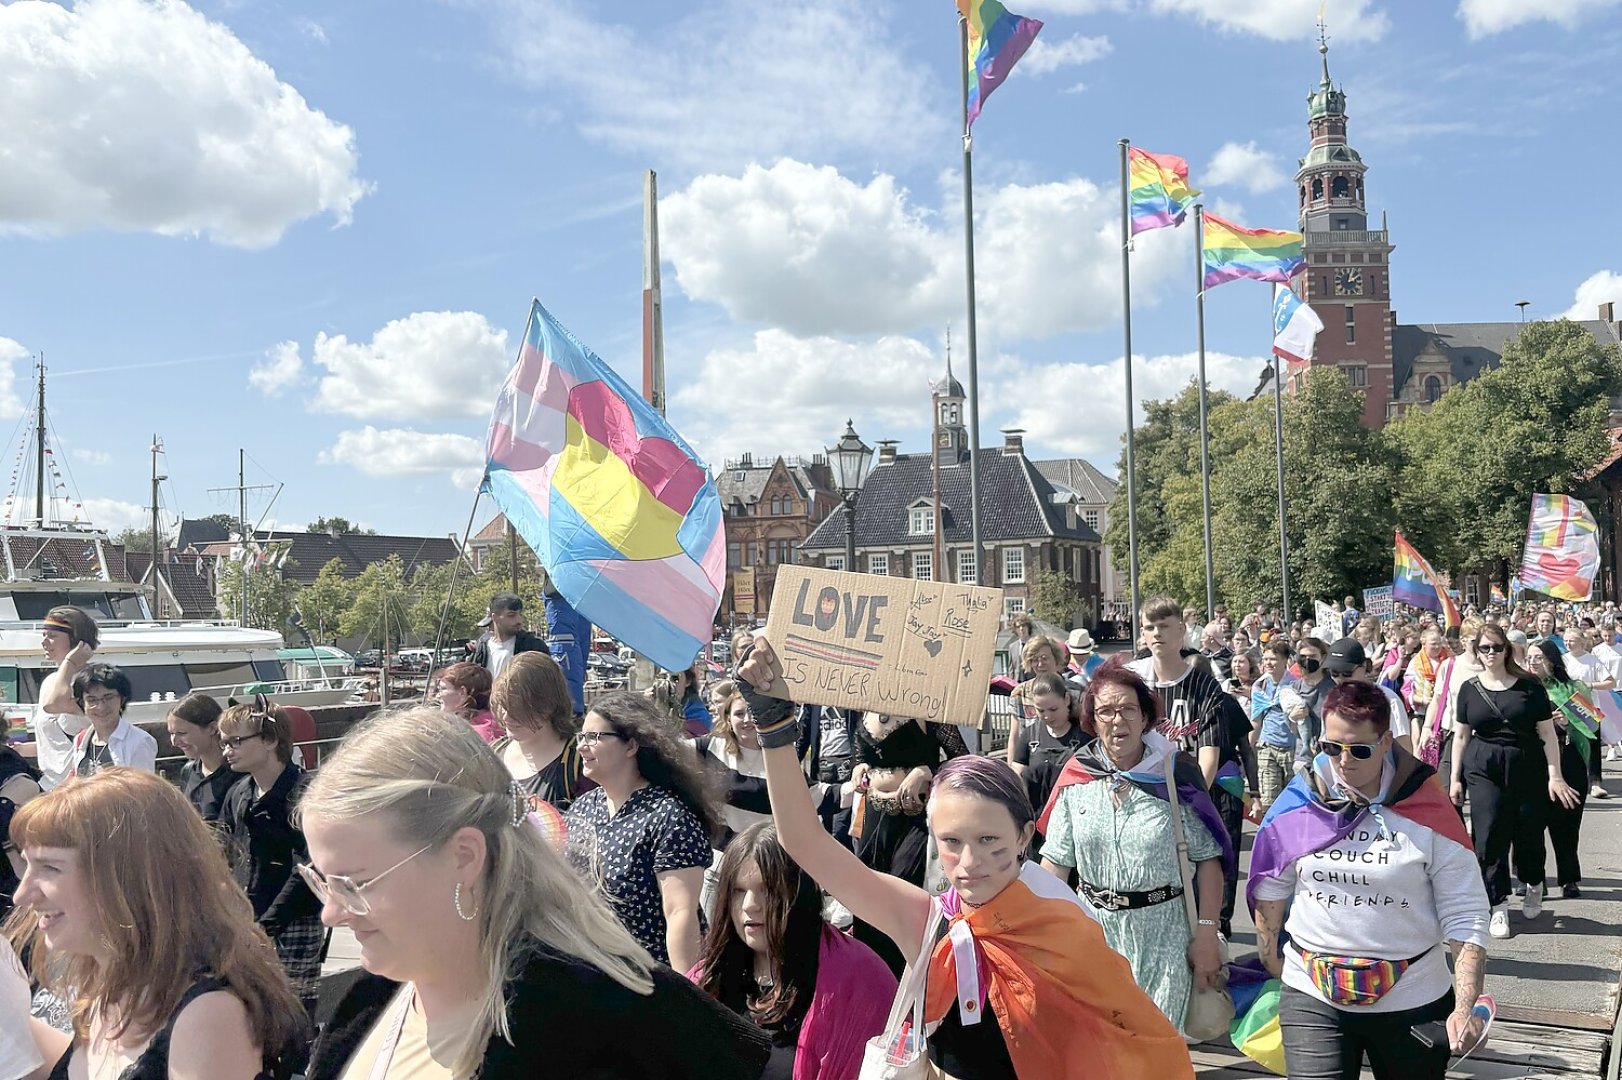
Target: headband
53	622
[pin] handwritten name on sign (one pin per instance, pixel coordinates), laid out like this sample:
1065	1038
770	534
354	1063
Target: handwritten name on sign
892	645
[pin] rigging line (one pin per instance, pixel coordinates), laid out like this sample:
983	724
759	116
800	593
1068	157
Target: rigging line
56	440
154	364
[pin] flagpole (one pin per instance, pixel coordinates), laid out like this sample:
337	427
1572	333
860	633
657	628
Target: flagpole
1205	431
968	260
1126	333
1278	444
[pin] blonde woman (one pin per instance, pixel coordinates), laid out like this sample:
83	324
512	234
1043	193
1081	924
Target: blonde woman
486	955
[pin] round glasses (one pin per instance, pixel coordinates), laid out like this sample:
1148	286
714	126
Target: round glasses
349	893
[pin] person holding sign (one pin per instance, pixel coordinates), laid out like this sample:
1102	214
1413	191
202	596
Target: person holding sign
1006	939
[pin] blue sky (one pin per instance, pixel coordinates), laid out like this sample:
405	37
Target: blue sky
312	230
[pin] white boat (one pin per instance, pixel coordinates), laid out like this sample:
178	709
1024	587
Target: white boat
164	660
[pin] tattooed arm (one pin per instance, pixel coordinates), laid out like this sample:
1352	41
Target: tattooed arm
1469	965
1269	924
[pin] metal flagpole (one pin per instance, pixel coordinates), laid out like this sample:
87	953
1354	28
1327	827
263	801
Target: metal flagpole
1131	404
1278	443
968	260
1205	431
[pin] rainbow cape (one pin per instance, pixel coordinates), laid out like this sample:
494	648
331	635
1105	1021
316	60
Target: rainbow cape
618	509
1562	548
1303	820
997	39
1232	252
1414	583
1157	190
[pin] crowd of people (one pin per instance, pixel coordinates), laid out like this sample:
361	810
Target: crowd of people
714	882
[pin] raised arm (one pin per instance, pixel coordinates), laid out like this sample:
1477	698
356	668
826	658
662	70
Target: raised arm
897	908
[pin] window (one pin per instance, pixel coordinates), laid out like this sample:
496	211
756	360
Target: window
878	564
1351	328
833	562
966	574
921	522
1433	389
1013	566
771	553
1357	375
751	555
1091	517
1317	188
923	565
734	556
1339	187
1013	605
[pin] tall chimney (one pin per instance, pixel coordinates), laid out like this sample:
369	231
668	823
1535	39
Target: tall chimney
1607	312
1013	441
887	451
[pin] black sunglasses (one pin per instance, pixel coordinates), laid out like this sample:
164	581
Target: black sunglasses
1489	647
1362	751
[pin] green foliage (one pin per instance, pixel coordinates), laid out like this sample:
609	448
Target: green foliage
1058	600
324	601
338	525
270	597
379	610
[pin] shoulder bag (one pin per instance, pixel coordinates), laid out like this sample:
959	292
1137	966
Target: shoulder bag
901	1052
1210	1010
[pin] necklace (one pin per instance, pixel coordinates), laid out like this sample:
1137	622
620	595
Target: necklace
764	983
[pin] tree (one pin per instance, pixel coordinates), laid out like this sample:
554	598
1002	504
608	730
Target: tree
228	522
270	597
325	601
379	611
1058	600
338	525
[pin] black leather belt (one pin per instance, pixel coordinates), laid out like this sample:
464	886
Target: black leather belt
1113	900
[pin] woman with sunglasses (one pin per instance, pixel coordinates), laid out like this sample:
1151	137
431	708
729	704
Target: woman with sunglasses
1365	864
264	843
1506	759
485	954
648	824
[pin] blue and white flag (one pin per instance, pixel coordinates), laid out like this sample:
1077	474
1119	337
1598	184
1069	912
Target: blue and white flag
1295	326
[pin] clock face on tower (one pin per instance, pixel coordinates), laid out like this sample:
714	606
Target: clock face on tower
1348	282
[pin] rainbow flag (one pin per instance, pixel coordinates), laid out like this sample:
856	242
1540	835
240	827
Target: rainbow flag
1157	190
1414	583
997	39
1496	594
619	510
1562	548
1583	717
1233	252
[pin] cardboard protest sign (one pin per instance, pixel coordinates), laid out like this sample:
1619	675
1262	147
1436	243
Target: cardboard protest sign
918	649
1377	602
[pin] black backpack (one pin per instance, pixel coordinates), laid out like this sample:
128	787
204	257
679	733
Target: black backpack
11	764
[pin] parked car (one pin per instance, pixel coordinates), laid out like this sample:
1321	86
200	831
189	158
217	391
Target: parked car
369	658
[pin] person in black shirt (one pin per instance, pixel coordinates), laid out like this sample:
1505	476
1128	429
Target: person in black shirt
1506	758
1051	736
531	701
194	729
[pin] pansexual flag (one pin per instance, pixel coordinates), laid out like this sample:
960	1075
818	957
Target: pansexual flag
1562	548
1414	583
997	39
1157	190
620	511
1233	252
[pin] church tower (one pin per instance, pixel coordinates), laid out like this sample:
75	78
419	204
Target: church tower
1347	276
951	434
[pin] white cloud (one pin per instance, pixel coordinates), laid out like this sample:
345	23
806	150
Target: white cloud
130	115
1244	164
1483	18
404	452
728	82
808	250
91	457
312	30
1045	56
1282	20
1600	288
428	365
281	369
1154	378
11	402
801	390
115	515
1073	7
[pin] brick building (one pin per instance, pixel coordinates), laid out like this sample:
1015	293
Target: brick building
768	510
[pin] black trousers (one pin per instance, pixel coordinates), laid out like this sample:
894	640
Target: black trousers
1232	811
1565	825
1509	800
1322	1042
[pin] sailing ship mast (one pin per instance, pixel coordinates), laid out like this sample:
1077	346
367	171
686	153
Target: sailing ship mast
39	446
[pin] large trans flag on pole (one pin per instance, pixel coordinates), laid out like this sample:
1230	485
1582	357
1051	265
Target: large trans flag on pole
617	507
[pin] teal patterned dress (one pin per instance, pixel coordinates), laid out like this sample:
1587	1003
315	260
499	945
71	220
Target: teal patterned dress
1130	848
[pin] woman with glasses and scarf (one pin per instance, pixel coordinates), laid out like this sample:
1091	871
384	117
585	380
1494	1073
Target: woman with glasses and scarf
484	953
1506	759
1109	824
1365	864
264	842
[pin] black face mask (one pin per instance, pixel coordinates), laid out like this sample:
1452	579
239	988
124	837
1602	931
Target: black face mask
1310	665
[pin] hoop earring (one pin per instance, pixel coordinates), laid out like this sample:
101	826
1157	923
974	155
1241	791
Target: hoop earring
456	898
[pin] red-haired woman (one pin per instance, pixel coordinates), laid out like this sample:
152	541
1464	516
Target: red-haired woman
464	690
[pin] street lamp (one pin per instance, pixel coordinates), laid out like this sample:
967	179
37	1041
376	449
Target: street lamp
850	458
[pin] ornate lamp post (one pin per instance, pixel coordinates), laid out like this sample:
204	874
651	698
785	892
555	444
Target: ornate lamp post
850	459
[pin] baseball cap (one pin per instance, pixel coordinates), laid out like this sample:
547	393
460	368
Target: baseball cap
1345	656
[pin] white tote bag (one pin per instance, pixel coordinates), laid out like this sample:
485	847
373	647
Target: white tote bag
901	1053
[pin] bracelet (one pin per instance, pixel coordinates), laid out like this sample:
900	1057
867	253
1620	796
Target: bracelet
1207	922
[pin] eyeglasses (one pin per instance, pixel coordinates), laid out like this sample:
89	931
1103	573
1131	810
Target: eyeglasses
231	742
1362	751
349	893
96	701
1489	647
592	738
1118	713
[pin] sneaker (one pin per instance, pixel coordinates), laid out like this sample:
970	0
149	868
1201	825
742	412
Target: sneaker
1597	791
1532	904
1571	892
1498	926
1610	753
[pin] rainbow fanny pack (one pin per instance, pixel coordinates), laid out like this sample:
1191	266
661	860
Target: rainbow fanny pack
1354	980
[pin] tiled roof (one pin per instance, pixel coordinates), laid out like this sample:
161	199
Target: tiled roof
493	533
1081	476
199	534
311	551
744	484
1470	348
192	588
66	558
1016	503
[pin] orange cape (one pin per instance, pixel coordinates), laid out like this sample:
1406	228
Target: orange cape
1067	1003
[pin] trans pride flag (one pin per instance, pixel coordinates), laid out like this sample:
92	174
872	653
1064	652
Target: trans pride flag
1414	582
1562	548
1232	252
1157	190
619	510
997	39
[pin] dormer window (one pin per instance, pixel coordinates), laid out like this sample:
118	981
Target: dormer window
921	521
